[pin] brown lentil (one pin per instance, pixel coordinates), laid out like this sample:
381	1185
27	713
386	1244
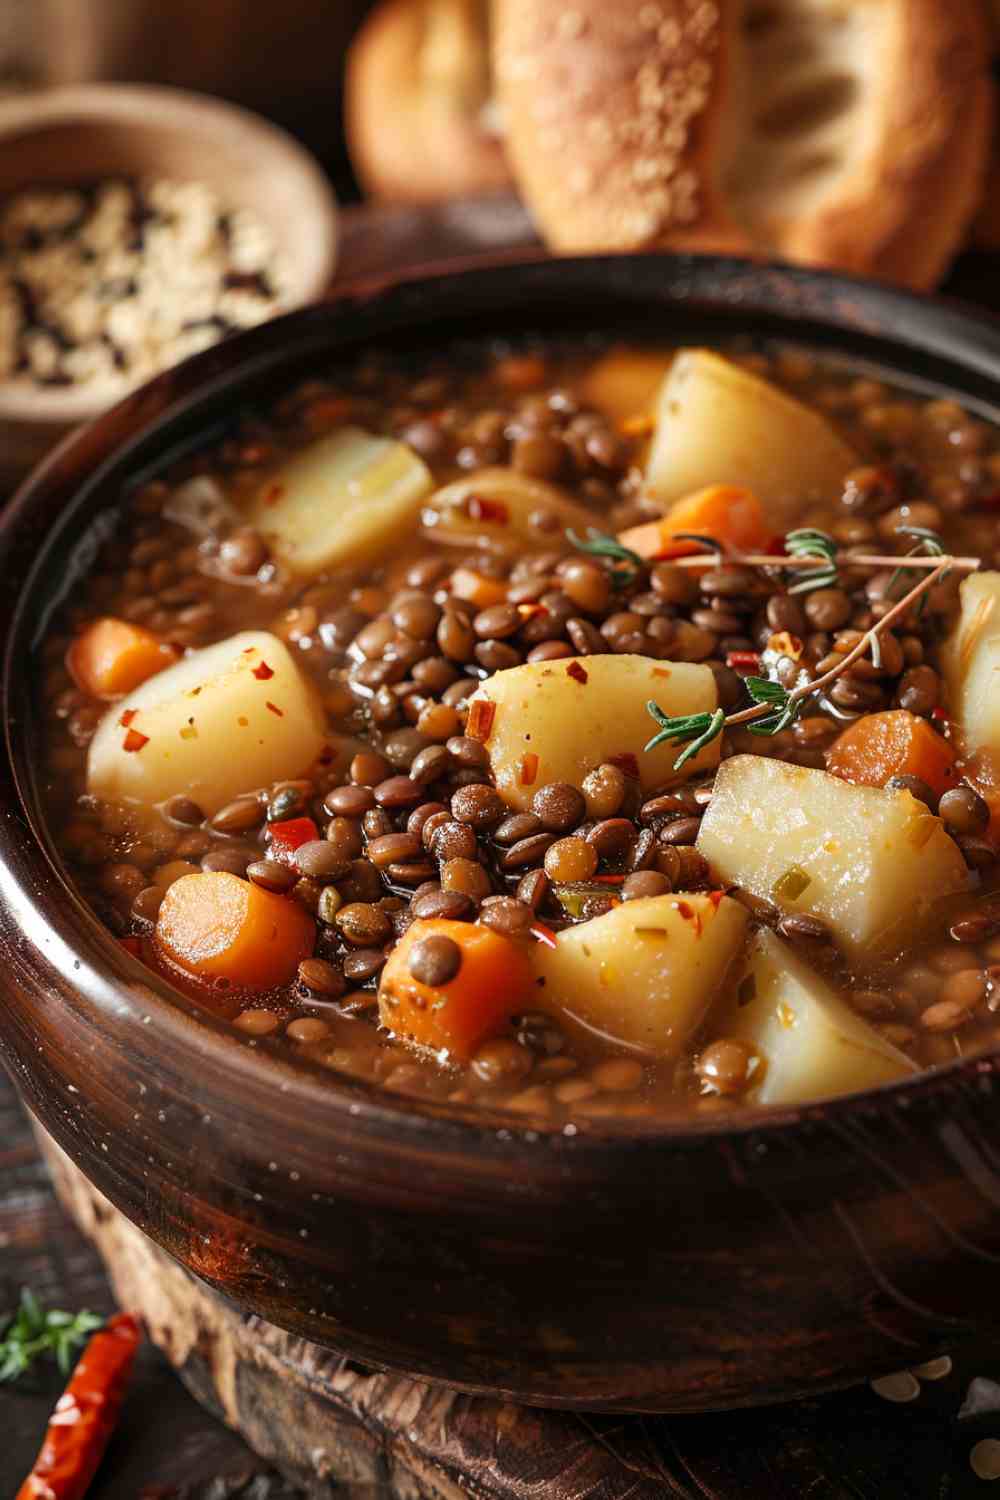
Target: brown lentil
434	960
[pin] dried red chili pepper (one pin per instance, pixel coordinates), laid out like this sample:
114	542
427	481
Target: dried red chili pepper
86	1414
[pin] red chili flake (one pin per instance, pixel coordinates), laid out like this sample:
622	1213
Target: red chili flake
134	741
743	661
86	1414
626	762
578	673
127	717
775	547
274	492
263	672
543	934
290	834
480	720
529	769
716	898
132	945
478	509
274	709
939	713
531	611
690	915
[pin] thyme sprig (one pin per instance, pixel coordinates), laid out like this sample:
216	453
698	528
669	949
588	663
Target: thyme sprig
33	1332
776	707
818	547
699	729
602	544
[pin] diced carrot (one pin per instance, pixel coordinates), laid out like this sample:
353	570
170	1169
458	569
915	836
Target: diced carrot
895	743
476	588
624	383
491	984
112	657
728	514
216	926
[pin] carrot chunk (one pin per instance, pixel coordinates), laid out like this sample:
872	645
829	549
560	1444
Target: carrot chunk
217	926
112	657
895	743
476	588
728	514
472	995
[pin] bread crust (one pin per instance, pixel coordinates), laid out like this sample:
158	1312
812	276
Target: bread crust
416	81
909	204
616	126
624	124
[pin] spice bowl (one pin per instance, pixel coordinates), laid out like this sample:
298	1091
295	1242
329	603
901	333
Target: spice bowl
628	1264
77	137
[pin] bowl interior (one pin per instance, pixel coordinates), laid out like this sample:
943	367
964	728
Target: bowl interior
919	345
81	135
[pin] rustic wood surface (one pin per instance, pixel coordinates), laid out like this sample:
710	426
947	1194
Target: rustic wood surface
413	1439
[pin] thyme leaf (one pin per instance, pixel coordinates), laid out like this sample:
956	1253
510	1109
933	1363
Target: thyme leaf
32	1332
601	544
928	543
809	541
699	729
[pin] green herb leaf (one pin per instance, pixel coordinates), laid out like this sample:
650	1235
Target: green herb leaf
710	543
601	544
930	542
786	708
699	729
809	541
31	1333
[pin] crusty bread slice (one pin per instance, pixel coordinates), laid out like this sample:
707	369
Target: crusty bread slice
851	133
867	139
420	117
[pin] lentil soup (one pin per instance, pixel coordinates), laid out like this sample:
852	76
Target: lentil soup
572	731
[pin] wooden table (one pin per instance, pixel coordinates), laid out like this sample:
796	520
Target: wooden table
849	1446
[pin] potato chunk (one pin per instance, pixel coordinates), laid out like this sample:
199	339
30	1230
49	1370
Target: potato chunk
812	1045
503	509
871	863
344	498
557	720
718	424
971	660
645	973
228	718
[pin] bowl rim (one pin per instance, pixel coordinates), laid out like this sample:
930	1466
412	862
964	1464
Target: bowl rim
367	1106
184	112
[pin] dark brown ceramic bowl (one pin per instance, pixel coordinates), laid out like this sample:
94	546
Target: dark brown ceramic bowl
637	1267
